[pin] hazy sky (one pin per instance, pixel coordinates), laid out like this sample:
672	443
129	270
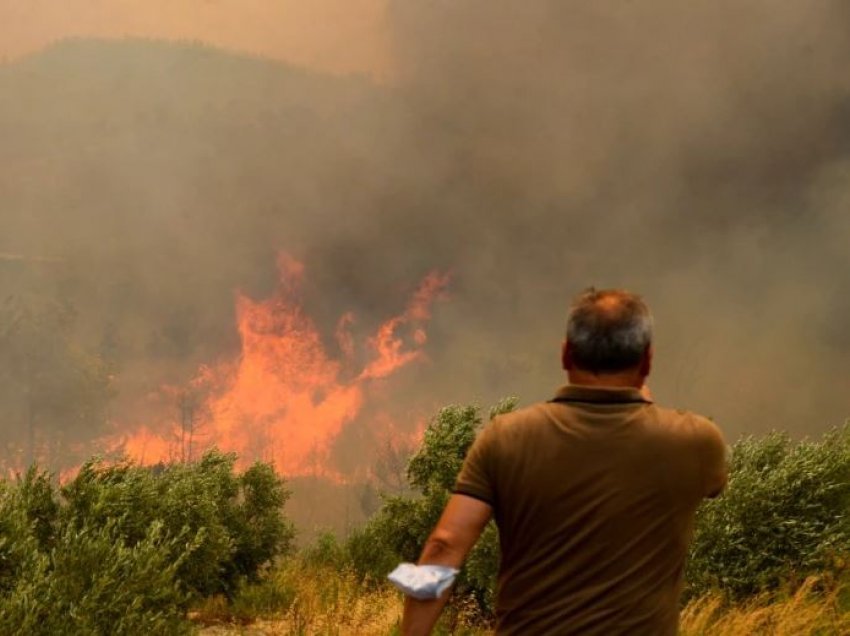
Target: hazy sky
340	36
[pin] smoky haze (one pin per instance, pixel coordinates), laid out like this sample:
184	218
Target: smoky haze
694	152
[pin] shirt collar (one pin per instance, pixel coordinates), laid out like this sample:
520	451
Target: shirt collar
599	394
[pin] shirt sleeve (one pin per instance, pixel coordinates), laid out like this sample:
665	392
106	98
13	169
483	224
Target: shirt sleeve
715	455
476	478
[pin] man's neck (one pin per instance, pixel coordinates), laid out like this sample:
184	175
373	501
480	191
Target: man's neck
623	379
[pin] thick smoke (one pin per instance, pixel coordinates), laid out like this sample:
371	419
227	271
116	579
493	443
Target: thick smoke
695	152
691	151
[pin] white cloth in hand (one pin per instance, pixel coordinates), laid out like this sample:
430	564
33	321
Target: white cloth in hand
423	582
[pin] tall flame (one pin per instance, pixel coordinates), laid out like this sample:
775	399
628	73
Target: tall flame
284	398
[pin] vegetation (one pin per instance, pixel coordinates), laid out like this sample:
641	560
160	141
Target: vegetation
811	611
783	518
124	549
52	390
399	529
318	600
303	597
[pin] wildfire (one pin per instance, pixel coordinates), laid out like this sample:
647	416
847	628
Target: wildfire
284	399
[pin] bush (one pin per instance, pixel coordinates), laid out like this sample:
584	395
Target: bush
256	522
123	549
92	583
36	499
19	547
326	551
399	530
236	521
783	517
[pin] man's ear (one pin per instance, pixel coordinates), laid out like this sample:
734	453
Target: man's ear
646	361
566	356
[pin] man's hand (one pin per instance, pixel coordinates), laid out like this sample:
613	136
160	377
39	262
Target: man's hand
457	531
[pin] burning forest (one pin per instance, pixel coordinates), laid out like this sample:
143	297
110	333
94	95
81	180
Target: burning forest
144	180
285	397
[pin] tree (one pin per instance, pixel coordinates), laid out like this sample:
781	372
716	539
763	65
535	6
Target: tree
52	391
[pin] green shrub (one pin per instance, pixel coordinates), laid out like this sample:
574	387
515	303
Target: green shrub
256	523
19	547
92	583
784	516
399	530
325	551
37	500
236	520
123	549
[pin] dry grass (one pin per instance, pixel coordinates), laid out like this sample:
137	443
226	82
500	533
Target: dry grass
299	599
809	612
338	605
320	601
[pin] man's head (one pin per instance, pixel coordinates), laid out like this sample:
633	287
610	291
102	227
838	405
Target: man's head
609	337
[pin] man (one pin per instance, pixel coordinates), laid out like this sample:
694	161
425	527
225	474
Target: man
594	492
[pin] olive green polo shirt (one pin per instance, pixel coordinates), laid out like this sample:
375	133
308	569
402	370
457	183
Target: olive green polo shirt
594	495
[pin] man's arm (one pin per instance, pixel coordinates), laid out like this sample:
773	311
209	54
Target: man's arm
717	456
457	531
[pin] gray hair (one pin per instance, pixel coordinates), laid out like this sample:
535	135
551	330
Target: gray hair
608	330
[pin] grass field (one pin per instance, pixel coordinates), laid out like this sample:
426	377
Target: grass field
300	599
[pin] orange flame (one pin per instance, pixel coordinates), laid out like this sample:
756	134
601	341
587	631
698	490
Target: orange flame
284	399
389	346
